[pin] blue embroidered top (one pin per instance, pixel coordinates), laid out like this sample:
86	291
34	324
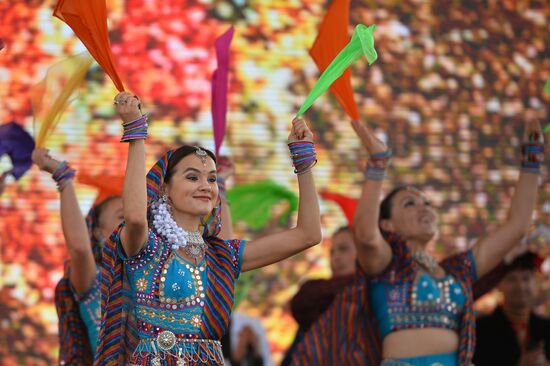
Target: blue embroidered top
90	311
168	290
169	293
435	303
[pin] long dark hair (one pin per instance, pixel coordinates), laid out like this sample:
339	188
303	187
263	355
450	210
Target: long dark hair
385	206
181	153
93	222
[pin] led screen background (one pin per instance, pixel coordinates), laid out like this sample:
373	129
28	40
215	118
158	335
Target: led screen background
449	91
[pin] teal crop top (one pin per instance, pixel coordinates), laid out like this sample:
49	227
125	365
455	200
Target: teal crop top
427	302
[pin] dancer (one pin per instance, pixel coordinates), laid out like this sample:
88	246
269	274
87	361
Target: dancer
315	296
422	309
513	334
167	287
77	293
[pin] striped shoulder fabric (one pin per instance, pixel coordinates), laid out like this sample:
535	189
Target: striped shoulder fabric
344	334
401	267
462	267
155	177
223	270
74	345
111	344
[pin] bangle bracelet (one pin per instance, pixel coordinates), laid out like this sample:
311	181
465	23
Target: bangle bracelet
62	174
303	156
532	157
135	130
377	165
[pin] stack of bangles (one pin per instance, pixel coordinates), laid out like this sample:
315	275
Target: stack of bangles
135	130
62	174
532	154
377	164
303	156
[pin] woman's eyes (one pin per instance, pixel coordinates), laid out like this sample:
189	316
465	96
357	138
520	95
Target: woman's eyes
412	203
195	178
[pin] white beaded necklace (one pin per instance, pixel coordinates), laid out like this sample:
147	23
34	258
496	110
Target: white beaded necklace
163	222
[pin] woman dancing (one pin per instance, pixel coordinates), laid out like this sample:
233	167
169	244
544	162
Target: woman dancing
167	284
77	293
406	308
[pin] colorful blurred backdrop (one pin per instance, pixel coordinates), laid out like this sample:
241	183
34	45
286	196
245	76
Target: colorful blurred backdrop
449	91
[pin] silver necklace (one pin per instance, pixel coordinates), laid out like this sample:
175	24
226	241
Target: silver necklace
196	247
426	261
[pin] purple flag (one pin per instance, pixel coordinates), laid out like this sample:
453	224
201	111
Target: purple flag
18	145
220	81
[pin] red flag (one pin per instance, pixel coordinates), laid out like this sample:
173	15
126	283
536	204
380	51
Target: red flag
88	20
347	204
332	38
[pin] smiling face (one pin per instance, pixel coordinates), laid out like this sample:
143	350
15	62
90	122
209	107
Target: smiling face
412	216
192	187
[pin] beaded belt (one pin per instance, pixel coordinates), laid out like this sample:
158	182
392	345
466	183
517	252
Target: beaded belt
441	359
186	351
404	363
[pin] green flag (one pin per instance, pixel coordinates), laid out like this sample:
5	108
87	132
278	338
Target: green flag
361	43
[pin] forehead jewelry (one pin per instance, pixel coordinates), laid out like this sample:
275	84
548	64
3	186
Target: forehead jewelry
201	155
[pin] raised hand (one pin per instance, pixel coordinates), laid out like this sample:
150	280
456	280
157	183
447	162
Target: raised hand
225	167
370	142
3	177
300	131
127	106
41	157
532	131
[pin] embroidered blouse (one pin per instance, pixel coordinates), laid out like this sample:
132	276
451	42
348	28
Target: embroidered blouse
159	291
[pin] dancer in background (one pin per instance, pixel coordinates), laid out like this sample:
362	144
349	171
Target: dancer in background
179	277
513	335
77	293
423	308
315	296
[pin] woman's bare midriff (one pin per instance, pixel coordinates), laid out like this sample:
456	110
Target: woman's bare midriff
419	342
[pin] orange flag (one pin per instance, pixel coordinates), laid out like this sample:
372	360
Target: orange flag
332	38
88	20
107	185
